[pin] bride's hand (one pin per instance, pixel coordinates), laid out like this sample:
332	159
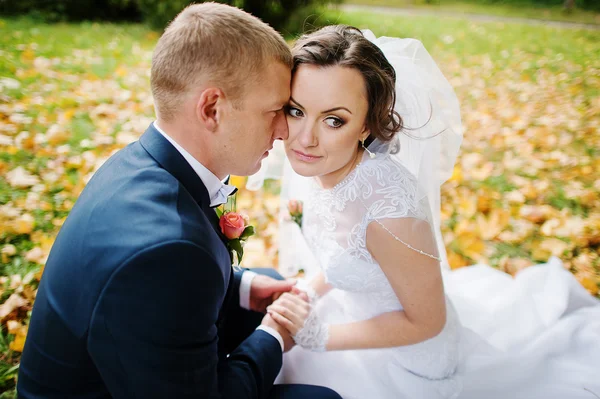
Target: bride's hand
290	311
295	315
295	290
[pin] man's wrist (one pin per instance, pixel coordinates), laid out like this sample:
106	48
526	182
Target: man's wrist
245	289
274	333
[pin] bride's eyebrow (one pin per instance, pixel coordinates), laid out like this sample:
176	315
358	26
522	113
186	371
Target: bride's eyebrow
324	112
295	102
336	109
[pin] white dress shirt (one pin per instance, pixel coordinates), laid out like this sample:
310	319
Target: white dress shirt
218	192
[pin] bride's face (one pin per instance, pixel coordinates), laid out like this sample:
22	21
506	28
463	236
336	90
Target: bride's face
326	121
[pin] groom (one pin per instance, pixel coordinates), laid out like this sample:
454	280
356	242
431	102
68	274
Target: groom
138	298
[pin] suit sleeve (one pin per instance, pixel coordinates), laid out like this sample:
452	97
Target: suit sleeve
153	333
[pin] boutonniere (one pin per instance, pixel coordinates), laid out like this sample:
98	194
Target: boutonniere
235	226
295	209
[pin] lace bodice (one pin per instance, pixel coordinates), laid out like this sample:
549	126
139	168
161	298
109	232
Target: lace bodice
335	227
336	220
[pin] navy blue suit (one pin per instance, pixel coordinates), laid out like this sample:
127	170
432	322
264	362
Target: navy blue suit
138	295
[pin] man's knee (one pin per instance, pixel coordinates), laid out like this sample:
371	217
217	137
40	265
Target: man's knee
302	391
327	393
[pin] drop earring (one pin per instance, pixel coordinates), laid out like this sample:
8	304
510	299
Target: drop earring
371	154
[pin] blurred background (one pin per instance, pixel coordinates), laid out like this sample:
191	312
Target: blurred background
74	88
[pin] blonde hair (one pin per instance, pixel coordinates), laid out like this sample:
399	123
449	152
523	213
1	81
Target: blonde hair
211	42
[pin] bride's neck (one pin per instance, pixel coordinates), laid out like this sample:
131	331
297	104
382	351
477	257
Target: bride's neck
332	179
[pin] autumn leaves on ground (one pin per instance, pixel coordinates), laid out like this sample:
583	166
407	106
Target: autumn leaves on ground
526	186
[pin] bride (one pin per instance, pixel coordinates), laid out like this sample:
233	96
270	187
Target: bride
374	130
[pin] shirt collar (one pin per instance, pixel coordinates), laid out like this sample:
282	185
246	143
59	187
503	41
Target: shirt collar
217	190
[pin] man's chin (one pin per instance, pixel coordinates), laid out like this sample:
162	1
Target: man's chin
253	169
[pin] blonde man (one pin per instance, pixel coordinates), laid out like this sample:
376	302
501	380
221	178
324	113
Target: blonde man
138	297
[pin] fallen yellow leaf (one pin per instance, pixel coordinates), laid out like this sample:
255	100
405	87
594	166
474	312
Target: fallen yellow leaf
13	302
24	224
470	245
21	178
492	225
589	284
457	174
238	181
456	261
18	343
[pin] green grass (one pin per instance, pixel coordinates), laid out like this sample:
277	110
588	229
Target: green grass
496	40
111	44
532	11
8	368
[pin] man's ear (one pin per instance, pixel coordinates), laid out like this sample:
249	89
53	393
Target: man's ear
209	107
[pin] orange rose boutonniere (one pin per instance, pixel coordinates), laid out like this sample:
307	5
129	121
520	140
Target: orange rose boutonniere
236	227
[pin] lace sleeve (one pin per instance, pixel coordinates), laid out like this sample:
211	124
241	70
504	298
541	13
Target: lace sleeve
396	206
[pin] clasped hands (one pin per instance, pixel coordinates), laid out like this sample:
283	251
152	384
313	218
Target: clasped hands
286	305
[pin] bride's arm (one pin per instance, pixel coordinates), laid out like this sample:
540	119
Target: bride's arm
416	280
316	287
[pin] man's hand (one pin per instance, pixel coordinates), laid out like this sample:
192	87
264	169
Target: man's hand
264	290
288	341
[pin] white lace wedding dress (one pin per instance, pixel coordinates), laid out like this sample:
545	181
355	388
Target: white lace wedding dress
536	336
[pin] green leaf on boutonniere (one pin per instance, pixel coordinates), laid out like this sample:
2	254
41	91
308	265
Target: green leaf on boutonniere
231	204
219	211
236	245
248	231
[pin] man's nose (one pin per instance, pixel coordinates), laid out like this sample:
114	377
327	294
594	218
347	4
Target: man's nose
281	131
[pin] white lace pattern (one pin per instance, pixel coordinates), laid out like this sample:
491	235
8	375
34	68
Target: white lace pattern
313	335
335	226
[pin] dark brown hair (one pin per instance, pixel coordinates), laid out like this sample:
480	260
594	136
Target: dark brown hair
346	46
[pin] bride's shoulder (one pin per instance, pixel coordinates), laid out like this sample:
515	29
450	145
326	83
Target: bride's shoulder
389	188
388	170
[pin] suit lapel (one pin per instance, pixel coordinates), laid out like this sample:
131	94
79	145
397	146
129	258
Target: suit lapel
174	163
214	220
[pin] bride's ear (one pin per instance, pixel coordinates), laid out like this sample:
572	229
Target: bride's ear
364	134
209	107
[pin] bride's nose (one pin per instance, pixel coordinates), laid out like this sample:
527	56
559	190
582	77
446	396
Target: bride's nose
308	136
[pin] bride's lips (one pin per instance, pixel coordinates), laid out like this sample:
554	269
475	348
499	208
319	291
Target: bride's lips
306	157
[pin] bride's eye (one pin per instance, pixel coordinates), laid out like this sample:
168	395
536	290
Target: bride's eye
295	112
334	122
